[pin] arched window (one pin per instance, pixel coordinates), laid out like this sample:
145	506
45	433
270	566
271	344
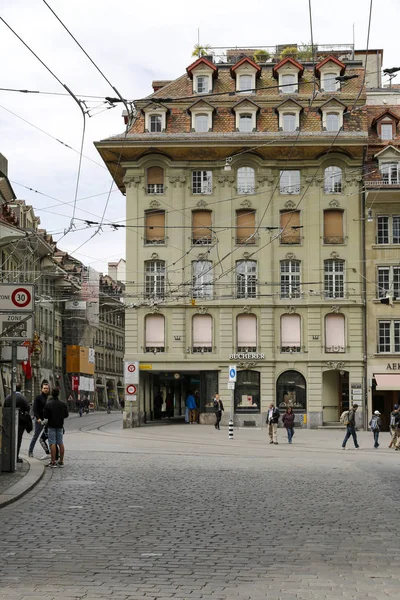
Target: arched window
155	333
202	333
246	180
202	279
335	333
201	123
291	391
246	279
334	278
247	392
154	279
155	180
290	333
246	333
333	180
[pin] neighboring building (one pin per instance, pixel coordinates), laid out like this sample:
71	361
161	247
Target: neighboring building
382	242
117	270
109	343
248	245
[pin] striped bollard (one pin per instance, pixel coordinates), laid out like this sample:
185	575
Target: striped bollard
231	429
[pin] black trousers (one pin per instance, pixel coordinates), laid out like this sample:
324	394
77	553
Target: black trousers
19	439
218	416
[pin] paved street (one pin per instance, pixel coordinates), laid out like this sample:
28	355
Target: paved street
182	512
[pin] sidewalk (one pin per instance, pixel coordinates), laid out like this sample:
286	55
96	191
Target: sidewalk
15	485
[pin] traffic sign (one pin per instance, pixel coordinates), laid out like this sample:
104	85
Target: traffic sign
131	389
232	373
16	327
231	385
131	372
17	297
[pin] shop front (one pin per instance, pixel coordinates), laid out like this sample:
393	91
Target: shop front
384	390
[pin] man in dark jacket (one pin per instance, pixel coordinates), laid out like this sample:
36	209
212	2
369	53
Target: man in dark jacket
351	427
38	408
23	405
272	422
395	427
55	411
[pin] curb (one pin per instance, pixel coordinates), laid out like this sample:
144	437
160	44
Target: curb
25	484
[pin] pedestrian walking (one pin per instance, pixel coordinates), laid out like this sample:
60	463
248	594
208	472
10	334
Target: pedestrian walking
79	405
375	425
394	427
288	423
272	422
86	402
22	405
55	411
349	419
219	408
38	413
192	407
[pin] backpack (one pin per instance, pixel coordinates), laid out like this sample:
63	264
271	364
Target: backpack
394	420
344	417
374	424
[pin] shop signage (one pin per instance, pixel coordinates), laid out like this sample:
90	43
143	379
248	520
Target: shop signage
144	367
247	356
393	367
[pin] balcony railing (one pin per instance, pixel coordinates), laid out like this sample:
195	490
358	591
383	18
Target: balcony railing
290	239
247	241
231	55
201	349
335	349
334	239
154	242
290	349
246	349
155	349
203	241
391	183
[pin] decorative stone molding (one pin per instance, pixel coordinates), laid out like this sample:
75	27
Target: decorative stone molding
334	204
290	205
246	255
246	309
226	180
202	310
335	308
334	255
291	310
154	256
314	181
202	256
155	204
201	203
131	180
154	310
246	203
263	178
335	365
177	180
247	365
353	179
290	256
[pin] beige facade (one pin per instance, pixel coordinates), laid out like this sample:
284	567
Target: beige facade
247	251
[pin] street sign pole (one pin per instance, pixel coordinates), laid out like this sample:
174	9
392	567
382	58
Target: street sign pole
232	375
13	406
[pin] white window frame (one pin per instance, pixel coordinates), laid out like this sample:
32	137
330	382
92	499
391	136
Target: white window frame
159	122
201	346
329	83
155	278
249	119
333	180
246	69
388	281
290	278
158	347
246	278
334	278
386	125
288	88
199	112
335	348
249	79
388	229
332	110
202	71
202	279
293	120
391	345
240	347
390	172
294	345
246	180
290	181
201	182
152	111
332	117
204	79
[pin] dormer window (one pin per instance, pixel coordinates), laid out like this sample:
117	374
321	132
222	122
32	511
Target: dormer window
245	72
201	112
389	165
246	116
202	84
329	83
201	123
387	131
155	123
386	125
202	72
288	72
332	115
327	71
155	118
289	122
289	115
245	123
332	122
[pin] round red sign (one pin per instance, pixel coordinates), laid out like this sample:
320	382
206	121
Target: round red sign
21	297
131	368
131	389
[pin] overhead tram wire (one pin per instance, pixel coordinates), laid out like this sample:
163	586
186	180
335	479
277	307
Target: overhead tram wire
78	102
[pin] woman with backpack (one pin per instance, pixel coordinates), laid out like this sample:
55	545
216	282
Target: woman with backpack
288	422
375	426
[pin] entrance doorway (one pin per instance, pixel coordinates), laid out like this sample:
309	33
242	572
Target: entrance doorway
335	395
384	401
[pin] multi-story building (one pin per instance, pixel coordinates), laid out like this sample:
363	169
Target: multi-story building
109	343
382	250
244	178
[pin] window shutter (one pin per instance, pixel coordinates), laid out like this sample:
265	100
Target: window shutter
290	330
155	335
155	225
201	225
333	226
155	176
246	226
202	330
334	331
290	219
246	330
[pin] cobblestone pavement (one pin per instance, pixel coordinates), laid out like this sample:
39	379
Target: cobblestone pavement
9	479
182	512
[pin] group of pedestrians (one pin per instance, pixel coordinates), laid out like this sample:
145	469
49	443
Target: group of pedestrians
49	412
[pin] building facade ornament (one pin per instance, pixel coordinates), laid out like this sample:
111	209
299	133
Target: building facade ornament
314	181
335	308
245	365
291	310
246	309
226	180
177	180
335	365
131	181
290	256
154	310
201	203
154	256
155	204
334	203
202	310
334	255
290	205
246	203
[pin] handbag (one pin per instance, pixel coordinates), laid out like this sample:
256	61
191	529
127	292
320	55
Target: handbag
26	420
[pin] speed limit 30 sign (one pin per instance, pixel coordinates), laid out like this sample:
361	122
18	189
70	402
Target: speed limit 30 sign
17	297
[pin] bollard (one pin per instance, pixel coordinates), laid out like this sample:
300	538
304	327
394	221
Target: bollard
231	429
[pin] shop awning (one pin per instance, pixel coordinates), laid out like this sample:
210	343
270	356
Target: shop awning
387	381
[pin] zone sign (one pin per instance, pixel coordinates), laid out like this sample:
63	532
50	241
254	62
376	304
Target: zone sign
17	297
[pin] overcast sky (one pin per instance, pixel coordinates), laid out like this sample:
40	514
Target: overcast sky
133	43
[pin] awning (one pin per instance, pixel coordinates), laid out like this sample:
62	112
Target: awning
387	381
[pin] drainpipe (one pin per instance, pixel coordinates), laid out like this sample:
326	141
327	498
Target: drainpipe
364	295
